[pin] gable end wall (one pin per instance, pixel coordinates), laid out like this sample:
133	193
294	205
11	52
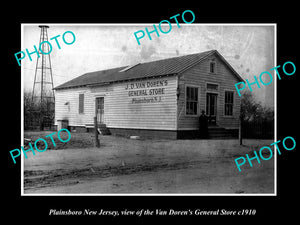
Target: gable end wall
199	76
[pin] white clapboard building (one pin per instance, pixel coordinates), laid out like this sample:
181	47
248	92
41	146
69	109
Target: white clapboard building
162	98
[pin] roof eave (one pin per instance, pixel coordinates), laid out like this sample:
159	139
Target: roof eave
239	78
195	63
111	82
230	67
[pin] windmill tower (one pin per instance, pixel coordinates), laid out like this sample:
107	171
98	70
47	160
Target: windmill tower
43	94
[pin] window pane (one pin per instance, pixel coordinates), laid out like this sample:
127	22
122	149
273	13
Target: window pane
212	67
230	97
191	100
192	93
187	108
212	86
188	90
228	103
195	108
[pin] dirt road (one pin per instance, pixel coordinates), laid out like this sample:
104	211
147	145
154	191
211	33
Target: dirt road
149	166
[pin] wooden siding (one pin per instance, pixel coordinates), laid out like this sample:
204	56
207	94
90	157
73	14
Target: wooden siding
119	109
199	76
67	106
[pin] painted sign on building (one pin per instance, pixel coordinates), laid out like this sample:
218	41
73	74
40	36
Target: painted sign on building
146	91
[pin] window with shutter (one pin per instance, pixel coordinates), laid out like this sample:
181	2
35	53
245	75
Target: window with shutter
81	103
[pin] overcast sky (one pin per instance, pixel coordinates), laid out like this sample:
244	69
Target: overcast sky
248	48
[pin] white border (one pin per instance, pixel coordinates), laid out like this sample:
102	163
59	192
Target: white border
147	24
22	114
275	109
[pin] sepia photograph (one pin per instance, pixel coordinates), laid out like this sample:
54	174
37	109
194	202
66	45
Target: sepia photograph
169	114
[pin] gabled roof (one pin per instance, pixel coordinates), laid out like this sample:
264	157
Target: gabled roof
162	67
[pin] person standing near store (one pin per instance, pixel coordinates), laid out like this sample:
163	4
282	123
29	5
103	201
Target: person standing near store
203	125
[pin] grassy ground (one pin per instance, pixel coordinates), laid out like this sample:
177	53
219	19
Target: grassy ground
78	140
123	165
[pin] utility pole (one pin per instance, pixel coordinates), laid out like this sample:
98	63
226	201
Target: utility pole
240	130
97	142
43	97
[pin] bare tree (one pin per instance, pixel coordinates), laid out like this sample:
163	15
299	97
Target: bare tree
32	110
254	111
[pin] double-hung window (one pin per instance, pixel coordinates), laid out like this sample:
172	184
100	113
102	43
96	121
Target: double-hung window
228	103
191	100
212	67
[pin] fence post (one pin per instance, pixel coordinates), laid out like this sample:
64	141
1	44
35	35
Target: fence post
97	142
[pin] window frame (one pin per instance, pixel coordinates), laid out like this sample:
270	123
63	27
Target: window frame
212	62
81	103
197	102
232	104
212	90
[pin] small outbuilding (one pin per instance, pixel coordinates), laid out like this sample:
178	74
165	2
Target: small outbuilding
161	99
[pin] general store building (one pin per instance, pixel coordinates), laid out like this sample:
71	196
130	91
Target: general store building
162	98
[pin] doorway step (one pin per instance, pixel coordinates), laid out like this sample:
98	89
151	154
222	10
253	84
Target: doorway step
216	132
